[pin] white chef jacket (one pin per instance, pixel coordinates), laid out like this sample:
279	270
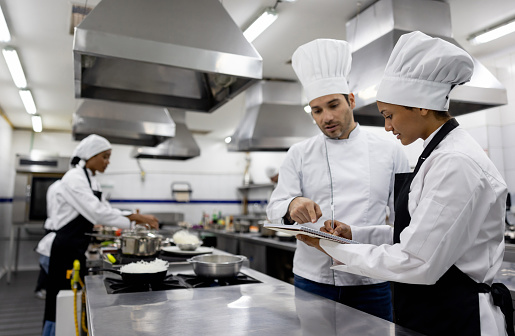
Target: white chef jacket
457	206
73	196
363	171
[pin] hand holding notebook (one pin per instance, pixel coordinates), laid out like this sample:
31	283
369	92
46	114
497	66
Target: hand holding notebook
301	229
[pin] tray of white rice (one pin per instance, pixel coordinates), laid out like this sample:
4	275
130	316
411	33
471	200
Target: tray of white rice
142	272
142	266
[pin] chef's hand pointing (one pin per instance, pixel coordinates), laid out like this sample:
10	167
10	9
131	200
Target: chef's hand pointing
340	229
303	210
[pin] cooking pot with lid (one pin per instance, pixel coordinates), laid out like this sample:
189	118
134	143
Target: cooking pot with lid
140	242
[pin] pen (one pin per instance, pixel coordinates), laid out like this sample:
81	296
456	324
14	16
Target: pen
332	216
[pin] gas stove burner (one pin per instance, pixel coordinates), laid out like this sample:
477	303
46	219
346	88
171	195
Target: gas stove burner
117	286
198	282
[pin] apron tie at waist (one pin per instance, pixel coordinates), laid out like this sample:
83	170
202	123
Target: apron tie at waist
502	299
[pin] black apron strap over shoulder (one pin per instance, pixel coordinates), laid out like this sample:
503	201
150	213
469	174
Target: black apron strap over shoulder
442	133
97	193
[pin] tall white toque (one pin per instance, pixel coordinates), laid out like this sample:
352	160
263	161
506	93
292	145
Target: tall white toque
422	71
323	66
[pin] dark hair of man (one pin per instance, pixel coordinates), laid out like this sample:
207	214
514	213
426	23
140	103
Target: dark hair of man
438	114
346	98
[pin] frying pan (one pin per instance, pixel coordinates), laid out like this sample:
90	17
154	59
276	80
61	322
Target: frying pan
138	278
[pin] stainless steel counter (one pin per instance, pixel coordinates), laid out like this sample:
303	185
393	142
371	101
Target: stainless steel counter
269	308
257	238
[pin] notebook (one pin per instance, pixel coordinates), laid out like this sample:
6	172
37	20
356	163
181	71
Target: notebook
300	229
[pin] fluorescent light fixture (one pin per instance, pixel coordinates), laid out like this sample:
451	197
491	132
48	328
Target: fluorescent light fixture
28	101
261	23
5	36
37	124
14	65
228	139
493	33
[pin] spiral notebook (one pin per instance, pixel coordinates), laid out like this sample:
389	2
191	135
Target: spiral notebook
300	229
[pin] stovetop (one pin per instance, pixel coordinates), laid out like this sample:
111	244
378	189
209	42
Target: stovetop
177	281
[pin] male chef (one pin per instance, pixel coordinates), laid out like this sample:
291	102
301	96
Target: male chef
345	173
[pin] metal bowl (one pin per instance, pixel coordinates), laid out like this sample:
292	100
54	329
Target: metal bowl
188	247
217	265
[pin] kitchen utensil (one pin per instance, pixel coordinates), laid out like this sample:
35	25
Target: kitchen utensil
138	278
217	265
176	250
189	247
140	242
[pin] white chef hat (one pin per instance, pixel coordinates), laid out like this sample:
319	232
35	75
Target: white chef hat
89	146
422	71
322	67
271	172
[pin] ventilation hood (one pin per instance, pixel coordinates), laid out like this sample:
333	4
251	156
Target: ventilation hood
274	119
126	124
176	53
182	147
373	34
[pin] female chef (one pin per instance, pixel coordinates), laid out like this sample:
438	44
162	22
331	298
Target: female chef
447	243
78	206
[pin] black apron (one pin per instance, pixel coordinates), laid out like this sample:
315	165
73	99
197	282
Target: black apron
70	244
451	305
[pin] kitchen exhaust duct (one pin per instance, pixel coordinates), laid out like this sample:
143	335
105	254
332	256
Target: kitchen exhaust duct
177	53
374	32
125	124
274	119
182	147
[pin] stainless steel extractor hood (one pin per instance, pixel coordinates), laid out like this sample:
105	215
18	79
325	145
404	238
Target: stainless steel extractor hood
373	34
126	124
176	53
182	147
274	119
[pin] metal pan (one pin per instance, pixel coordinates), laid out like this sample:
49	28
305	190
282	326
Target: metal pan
217	265
138	278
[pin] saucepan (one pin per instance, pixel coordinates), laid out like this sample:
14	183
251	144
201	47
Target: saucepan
217	265
141	242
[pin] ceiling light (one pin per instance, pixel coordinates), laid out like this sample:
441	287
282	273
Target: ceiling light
37	124
493	33
28	101
228	139
5	36
14	65
261	23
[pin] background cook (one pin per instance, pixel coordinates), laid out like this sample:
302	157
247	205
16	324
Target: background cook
78	205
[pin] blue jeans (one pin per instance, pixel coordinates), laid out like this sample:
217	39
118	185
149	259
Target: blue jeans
373	299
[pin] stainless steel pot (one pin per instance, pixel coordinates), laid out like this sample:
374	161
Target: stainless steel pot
140	242
217	265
